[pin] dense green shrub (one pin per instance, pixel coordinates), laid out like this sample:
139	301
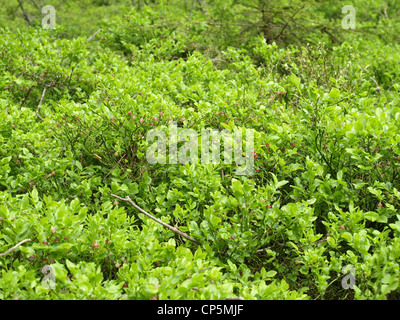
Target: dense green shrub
73	123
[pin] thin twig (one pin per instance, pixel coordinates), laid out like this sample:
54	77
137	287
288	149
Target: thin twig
299	246
15	247
25	15
386	15
115	165
40	102
26	96
211	23
317	242
93	35
377	86
156	219
287	22
205	269
213	60
385	10
234	298
261	250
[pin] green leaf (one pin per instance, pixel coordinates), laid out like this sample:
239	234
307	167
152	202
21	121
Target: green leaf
5	160
237	188
72	267
270	274
334	93
294	80
146	178
371	216
79	165
64	246
232	266
382	219
281	183
347	236
35	196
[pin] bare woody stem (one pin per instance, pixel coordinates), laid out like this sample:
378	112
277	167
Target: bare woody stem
377	86
156	219
15	247
92	36
24	12
40	103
